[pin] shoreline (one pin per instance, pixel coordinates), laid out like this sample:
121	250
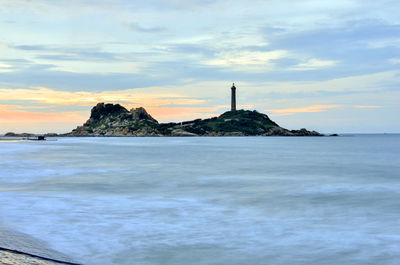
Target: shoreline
54	138
20	248
11	256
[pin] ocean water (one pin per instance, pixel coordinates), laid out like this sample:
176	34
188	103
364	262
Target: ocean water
204	200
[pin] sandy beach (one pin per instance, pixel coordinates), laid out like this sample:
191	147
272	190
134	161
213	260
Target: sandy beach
19	248
13	258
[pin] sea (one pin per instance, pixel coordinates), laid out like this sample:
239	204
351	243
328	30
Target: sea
204	200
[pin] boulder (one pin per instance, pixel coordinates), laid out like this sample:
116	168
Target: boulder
278	131
180	132
11	134
141	114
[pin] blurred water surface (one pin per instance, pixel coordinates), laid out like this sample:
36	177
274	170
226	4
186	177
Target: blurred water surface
205	200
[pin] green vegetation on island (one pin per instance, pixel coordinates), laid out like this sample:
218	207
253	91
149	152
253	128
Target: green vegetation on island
115	120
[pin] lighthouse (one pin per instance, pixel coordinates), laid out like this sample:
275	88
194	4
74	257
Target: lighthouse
233	97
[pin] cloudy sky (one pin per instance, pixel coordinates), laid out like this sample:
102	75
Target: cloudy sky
327	65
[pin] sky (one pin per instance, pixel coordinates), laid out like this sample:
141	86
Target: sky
326	65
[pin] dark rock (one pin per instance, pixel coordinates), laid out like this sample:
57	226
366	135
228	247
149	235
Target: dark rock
115	120
230	123
278	131
180	132
141	114
234	134
51	135
305	132
11	134
102	109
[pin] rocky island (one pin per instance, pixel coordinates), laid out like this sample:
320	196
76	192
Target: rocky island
115	120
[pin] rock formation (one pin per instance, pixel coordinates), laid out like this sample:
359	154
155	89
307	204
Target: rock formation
11	134
115	120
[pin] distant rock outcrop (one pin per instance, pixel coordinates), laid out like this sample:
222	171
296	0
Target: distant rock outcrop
279	131
11	134
115	120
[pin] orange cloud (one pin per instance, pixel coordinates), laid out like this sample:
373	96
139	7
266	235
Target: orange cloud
313	108
12	114
12	118
7	107
129	96
162	106
366	107
17	107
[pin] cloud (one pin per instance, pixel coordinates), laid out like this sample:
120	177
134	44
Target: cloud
81	98
313	64
366	107
242	60
174	5
313	108
35	117
15	118
164	106
8	22
47	75
4	67
191	49
394	60
67	53
31	47
352	36
138	27
80	56
19	107
361	46
348	85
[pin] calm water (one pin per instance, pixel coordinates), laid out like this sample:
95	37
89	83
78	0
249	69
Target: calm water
252	200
